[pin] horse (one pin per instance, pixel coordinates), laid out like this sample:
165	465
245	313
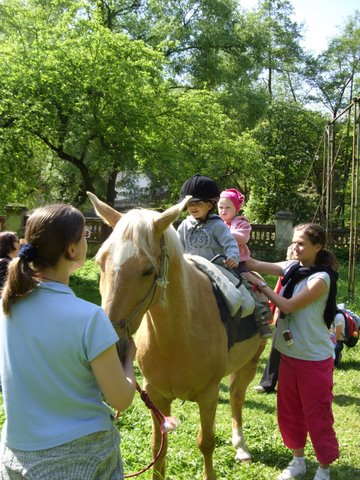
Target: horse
148	286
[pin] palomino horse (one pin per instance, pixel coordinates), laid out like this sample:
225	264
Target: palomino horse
148	287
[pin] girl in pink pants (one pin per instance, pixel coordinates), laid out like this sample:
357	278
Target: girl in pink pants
307	304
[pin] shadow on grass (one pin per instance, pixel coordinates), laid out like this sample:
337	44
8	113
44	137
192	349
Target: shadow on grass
252	404
344	400
258	405
349	365
224	388
280	460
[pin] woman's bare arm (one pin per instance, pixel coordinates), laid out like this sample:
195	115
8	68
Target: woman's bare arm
117	381
313	290
265	267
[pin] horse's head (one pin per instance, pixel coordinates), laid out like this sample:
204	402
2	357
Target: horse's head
133	261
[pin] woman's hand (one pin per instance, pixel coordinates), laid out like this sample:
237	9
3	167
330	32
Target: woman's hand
253	279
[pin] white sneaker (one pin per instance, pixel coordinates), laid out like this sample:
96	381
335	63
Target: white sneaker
322	474
295	469
259	389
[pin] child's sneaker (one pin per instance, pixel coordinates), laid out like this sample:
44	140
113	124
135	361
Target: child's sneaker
264	328
322	474
295	469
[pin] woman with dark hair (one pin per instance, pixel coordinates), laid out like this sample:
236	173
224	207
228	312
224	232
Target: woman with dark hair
9	247
307	305
58	358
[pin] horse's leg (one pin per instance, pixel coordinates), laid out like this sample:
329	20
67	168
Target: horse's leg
164	406
239	382
206	436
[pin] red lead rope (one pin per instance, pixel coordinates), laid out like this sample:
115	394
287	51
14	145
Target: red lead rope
167	424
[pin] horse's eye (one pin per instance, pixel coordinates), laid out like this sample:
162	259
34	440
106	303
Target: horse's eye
148	272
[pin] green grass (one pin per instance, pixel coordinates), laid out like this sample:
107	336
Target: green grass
85	282
184	461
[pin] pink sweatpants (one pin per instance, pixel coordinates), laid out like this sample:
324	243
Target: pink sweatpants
304	406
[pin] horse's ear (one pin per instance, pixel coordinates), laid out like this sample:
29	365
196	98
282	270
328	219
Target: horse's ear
104	211
170	215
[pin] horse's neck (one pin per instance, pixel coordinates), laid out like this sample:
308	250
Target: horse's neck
186	283
184	294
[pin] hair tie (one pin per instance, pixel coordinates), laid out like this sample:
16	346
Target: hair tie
27	252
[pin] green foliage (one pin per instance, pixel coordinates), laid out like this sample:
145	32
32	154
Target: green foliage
78	89
200	139
208	42
282	52
91	88
85	282
334	73
290	174
91	102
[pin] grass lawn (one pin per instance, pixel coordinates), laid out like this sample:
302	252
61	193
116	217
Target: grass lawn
260	425
262	434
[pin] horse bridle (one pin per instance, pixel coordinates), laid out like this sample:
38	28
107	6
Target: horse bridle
160	280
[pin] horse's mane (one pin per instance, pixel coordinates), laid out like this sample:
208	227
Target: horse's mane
137	226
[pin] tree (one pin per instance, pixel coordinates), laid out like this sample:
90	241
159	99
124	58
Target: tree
91	88
283	53
290	176
333	74
71	85
90	103
208	44
202	39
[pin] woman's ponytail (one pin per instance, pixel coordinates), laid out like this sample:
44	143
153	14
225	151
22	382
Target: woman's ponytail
48	233
327	258
19	282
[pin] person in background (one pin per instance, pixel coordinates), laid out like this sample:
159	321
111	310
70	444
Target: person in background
9	247
337	329
58	359
307	307
230	202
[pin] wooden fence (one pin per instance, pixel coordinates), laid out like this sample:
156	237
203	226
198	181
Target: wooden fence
261	235
262	238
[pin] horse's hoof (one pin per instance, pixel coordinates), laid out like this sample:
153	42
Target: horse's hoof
242	456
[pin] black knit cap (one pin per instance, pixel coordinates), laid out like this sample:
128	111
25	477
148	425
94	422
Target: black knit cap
201	188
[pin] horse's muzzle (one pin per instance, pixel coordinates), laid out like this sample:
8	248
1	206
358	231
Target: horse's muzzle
121	347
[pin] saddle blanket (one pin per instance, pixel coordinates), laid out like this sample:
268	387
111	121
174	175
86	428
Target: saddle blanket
234	297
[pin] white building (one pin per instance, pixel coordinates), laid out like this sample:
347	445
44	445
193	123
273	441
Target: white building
135	190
